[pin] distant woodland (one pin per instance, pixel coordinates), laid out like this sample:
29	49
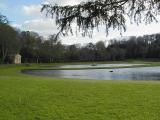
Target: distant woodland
35	49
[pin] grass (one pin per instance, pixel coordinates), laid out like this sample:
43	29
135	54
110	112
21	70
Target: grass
27	97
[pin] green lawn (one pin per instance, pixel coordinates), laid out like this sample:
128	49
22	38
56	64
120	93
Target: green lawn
27	97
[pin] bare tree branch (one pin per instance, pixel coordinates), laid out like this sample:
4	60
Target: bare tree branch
111	13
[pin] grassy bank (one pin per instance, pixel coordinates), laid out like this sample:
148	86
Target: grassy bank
27	97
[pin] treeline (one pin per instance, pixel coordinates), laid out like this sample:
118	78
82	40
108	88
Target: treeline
33	48
144	47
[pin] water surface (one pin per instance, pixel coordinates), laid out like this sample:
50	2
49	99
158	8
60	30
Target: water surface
98	65
140	73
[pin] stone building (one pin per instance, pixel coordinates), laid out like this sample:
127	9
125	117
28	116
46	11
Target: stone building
17	59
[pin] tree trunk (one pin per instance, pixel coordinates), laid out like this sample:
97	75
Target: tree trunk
4	54
37	60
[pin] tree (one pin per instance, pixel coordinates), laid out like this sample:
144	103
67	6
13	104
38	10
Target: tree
111	13
116	50
56	48
58	51
9	41
53	39
51	50
90	51
72	52
100	51
30	45
3	19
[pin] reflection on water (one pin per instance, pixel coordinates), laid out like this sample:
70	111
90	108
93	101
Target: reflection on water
98	65
141	73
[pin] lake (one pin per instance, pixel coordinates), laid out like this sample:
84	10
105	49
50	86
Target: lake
140	73
98	65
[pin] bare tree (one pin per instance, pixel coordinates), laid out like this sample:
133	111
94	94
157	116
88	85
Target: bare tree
111	13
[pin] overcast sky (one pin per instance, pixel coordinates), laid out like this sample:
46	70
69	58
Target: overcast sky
26	15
